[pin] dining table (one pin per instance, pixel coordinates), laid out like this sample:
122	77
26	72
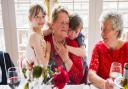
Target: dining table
81	86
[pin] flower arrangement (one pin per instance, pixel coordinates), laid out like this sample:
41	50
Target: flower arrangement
37	72
61	78
57	76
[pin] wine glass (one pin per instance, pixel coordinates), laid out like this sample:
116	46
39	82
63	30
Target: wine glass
13	77
124	69
115	70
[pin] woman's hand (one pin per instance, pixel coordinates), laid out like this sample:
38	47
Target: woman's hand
61	50
109	84
63	53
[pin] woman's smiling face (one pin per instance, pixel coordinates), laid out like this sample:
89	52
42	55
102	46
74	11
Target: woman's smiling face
107	32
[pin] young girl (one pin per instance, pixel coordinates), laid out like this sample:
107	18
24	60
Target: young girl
38	51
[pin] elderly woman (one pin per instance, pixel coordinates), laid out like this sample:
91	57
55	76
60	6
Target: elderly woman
111	49
59	53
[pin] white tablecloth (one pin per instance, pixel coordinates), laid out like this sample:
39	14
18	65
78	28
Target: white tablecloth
66	87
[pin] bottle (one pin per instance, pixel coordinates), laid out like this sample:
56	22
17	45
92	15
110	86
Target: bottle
125	85
0	74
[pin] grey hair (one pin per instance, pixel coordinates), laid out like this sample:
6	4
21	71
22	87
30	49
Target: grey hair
116	20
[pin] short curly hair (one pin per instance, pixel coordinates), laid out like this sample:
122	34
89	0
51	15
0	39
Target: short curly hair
116	20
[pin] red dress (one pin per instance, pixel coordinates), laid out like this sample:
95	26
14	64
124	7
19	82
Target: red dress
76	71
102	57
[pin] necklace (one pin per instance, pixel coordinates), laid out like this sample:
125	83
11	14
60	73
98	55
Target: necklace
43	42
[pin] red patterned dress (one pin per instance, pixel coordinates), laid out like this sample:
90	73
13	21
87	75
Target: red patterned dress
76	71
102	58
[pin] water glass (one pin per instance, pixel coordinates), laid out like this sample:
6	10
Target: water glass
115	70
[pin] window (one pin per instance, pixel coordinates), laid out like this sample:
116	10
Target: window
22	23
2	44
122	7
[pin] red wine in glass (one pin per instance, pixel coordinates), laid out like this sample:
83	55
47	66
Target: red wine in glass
13	78
13	82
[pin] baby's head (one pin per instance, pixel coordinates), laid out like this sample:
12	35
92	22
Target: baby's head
75	26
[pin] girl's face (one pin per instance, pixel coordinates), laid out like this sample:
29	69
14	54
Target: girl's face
73	34
38	20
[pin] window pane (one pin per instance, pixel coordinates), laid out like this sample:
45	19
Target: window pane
110	5
29	1
2	40
115	0
125	18
67	1
23	40
81	6
123	7
67	5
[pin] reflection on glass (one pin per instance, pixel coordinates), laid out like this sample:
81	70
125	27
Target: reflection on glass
115	70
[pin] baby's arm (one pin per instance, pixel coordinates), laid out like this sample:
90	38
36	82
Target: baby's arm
49	30
79	51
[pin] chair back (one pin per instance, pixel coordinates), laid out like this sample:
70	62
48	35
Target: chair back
5	63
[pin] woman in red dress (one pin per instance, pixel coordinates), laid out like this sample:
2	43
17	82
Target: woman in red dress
59	53
111	49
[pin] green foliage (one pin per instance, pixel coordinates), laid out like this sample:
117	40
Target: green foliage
26	86
24	72
37	71
126	66
50	71
44	72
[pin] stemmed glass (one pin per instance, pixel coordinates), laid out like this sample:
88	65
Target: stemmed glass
13	77
115	70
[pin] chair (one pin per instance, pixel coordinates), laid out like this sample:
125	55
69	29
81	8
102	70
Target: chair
5	64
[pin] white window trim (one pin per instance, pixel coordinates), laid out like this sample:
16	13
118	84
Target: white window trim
95	10
9	24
